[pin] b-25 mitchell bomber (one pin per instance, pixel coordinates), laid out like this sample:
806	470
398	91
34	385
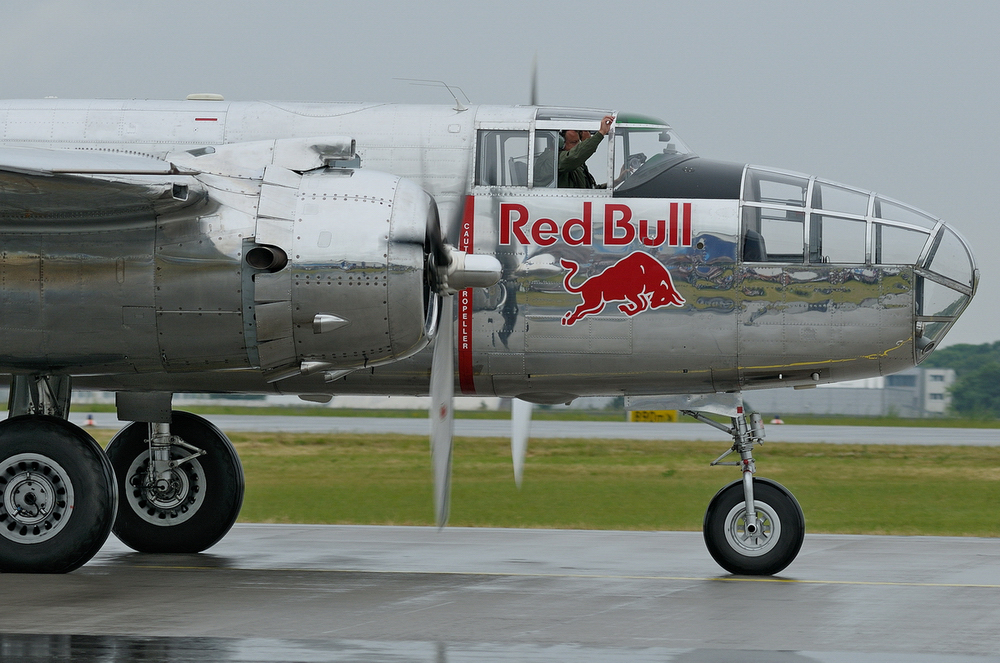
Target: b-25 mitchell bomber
158	247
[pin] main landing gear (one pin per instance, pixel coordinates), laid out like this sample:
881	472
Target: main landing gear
59	495
180	485
752	526
172	485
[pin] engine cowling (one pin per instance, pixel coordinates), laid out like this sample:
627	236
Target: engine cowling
339	261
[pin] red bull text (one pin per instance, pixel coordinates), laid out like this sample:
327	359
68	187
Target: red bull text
620	228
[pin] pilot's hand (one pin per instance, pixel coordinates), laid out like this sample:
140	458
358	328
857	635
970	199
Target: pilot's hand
606	124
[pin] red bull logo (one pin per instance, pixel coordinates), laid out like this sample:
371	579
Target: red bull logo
638	280
617	226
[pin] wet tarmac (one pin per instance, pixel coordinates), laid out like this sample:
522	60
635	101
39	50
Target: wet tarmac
344	593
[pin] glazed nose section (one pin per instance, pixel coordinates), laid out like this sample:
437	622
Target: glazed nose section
922	262
946	281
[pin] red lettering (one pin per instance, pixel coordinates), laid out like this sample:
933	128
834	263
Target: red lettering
544	232
620	228
468	225
586	226
466	382
508	225
674	233
661	232
686	233
618	217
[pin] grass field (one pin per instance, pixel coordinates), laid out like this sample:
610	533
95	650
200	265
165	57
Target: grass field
624	484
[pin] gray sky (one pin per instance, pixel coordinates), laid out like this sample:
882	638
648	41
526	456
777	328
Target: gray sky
892	96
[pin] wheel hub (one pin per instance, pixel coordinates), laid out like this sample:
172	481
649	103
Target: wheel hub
165	500
166	493
37	498
756	540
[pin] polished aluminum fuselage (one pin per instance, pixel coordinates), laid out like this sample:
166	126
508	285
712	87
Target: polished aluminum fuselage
162	299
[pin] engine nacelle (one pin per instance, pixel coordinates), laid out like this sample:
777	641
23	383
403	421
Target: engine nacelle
339	270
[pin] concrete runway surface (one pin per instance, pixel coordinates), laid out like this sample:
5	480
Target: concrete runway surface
339	593
349	593
589	429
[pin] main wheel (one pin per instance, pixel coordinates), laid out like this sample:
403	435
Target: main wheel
59	495
781	528
192	509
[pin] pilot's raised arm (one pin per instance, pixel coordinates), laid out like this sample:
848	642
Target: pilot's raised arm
579	147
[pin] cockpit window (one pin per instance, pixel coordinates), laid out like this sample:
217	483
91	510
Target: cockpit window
503	158
641	144
546	159
897	246
950	257
774	217
795	219
838	240
887	209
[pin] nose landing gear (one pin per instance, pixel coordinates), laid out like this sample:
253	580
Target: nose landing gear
752	526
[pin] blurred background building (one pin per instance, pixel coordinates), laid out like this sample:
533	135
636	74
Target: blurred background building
914	393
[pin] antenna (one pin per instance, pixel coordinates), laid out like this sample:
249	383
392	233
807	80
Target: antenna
534	80
459	106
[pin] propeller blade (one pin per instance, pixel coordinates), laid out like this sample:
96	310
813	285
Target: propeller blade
520	422
434	242
442	418
448	271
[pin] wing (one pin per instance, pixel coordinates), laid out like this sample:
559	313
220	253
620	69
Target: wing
44	187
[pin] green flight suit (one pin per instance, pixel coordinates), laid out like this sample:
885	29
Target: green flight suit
573	173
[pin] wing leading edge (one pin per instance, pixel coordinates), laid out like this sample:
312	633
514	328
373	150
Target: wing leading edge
43	186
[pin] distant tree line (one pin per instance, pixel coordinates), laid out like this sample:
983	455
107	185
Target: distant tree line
976	391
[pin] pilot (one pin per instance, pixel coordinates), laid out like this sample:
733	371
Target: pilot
579	146
575	148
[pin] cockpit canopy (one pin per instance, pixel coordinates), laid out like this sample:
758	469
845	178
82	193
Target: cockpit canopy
519	157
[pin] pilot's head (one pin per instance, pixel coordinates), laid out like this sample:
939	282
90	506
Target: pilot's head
571	138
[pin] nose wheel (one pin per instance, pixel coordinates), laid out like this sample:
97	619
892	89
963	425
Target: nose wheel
768	545
753	526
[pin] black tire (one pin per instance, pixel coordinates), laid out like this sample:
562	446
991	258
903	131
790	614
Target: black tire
774	548
58	495
208	495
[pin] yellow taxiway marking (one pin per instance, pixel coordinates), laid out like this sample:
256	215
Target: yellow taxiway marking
593	576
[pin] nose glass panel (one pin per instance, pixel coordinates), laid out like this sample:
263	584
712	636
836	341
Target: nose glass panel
790	218
940	301
951	258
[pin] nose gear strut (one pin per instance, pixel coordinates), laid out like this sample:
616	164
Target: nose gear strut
754	526
746	432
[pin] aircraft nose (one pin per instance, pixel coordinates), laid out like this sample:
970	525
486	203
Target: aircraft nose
793	218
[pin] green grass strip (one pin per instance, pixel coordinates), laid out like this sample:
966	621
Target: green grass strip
613	484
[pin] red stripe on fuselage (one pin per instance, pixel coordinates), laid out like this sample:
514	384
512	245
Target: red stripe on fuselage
465	243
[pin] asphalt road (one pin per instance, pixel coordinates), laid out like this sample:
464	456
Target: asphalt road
592	429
